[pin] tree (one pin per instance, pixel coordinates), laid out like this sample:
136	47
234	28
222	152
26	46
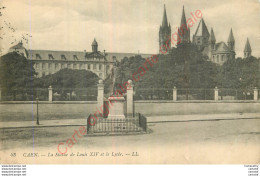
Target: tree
68	81
16	73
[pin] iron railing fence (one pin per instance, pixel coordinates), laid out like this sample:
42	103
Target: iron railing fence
63	94
195	94
25	94
235	94
153	94
90	94
113	125
78	94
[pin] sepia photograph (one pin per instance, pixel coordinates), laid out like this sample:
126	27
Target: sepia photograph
129	82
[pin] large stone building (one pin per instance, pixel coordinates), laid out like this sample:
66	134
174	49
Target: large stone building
217	52
49	62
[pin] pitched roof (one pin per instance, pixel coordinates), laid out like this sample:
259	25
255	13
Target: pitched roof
18	46
79	55
231	38
222	47
247	46
202	29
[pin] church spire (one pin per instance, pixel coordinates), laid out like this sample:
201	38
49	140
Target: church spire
231	41
183	17
212	38
164	34
184	30
231	38
247	50
165	21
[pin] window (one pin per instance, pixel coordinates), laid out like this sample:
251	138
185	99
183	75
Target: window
217	58
62	66
88	66
222	59
75	57
74	66
51	57
63	57
38	56
81	66
37	65
56	66
68	65
100	66
94	66
43	66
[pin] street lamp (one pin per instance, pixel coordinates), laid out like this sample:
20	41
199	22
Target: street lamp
37	102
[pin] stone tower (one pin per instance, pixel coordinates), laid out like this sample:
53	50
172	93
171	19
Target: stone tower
201	36
211	43
94	46
164	34
184	30
231	41
247	50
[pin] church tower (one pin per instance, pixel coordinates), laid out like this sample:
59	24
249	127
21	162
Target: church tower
231	41
247	50
184	30
164	34
201	36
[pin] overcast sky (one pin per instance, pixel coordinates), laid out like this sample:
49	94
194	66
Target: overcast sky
123	26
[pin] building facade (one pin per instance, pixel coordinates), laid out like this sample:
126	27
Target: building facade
49	62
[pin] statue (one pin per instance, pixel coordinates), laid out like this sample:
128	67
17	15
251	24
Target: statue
113	78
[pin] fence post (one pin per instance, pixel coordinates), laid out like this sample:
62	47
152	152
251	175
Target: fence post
100	98
216	94
50	93
174	95
130	99
255	94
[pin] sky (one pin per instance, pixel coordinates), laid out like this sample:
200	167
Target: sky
129	26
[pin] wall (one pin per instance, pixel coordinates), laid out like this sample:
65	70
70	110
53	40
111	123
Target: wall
196	107
19	111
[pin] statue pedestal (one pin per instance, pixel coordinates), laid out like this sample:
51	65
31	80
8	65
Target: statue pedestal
116	109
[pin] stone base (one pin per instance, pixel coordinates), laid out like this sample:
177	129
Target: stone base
115	116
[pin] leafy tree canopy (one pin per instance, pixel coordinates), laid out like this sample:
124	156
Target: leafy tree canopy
16	72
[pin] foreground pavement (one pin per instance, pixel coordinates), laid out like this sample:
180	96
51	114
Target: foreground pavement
234	141
150	119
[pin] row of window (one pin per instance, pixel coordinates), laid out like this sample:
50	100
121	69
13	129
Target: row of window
218	58
72	66
63	57
46	73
